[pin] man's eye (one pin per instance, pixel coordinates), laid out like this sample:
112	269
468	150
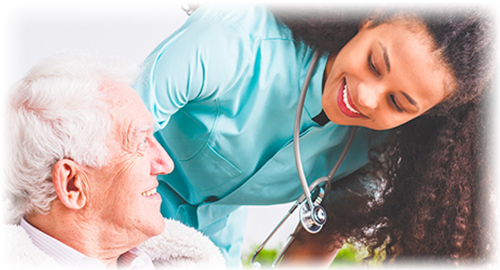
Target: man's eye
143	144
393	101
372	66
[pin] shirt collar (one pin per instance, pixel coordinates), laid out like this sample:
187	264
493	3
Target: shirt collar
312	103
135	259
71	258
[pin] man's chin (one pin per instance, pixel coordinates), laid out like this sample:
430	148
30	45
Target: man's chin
159	226
162	226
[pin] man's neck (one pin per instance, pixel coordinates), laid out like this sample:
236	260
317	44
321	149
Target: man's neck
84	234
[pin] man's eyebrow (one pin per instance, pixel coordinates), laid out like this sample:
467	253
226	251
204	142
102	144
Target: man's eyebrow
411	100
142	129
386	57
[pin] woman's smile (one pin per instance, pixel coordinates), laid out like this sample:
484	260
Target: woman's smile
345	102
383	77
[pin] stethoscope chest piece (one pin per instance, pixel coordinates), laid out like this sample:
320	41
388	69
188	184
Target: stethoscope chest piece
312	220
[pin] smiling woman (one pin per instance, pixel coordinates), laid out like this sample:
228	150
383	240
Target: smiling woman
223	91
424	195
361	89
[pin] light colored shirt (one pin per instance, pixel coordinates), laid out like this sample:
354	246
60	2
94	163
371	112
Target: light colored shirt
68	257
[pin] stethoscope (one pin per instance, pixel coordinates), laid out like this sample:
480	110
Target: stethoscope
312	215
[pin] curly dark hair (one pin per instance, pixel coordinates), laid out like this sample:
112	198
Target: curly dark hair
424	195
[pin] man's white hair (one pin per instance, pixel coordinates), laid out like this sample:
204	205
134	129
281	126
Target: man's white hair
58	111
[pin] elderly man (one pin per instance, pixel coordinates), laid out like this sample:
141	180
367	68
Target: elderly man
82	181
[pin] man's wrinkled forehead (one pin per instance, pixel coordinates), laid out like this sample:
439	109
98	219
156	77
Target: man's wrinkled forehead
129	114
115	94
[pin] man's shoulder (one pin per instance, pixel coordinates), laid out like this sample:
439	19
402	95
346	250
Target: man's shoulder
181	246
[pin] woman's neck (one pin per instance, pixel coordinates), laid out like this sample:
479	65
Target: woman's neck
328	68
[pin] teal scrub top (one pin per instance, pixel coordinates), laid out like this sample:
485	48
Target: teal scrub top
223	90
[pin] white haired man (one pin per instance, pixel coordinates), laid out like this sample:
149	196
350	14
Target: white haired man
82	179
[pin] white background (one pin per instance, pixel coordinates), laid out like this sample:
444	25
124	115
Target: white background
33	30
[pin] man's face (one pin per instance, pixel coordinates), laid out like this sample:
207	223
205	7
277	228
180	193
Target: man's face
122	195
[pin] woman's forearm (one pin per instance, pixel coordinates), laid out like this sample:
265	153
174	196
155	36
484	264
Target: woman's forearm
311	249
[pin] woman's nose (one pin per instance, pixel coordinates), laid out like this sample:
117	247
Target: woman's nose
370	94
161	163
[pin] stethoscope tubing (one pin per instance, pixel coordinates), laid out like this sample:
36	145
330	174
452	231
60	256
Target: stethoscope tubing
298	162
315	184
296	134
296	130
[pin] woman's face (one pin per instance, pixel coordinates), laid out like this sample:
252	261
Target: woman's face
384	77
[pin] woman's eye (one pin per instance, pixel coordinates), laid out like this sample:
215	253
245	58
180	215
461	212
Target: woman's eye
372	66
394	102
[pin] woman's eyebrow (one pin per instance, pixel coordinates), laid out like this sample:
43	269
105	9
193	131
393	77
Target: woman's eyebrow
411	100
386	57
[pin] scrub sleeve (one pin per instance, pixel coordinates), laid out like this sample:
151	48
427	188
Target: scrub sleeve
223	90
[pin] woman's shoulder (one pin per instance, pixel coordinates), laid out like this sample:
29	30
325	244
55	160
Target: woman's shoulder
254	20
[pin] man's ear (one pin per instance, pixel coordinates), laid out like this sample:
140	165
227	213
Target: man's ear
69	184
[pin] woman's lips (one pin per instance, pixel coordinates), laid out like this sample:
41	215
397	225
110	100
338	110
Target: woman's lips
345	103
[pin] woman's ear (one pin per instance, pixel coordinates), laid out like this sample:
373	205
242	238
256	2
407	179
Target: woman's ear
69	184
366	23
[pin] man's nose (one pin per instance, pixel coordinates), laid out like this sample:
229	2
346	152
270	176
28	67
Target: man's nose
161	163
370	94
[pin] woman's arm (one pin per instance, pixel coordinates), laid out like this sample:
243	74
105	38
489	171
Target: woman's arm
345	202
311	249
201	60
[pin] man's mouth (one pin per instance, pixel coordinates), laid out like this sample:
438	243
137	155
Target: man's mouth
345	103
149	192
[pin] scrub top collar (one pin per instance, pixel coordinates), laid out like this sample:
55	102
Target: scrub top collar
312	103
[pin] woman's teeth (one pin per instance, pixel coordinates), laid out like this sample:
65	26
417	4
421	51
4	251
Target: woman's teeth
346	101
149	192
